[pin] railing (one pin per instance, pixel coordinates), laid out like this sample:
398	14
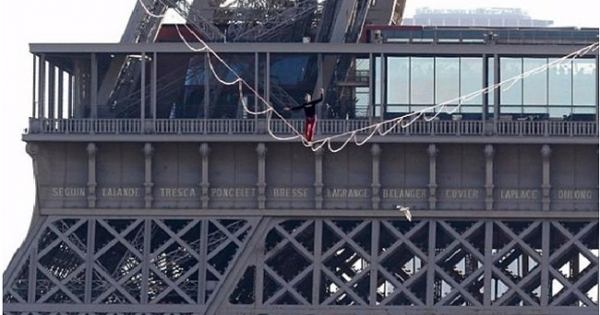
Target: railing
325	127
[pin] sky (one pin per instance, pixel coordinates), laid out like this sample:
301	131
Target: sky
103	21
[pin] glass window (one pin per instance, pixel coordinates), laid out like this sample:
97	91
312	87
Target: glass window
535	85
421	75
584	82
288	70
471	75
511	91
584	110
447	80
362	101
398	80
559	112
559	83
512	109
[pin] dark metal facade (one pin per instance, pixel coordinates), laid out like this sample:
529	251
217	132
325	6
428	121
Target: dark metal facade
147	215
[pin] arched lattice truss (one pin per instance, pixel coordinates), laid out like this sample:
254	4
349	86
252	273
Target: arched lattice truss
276	266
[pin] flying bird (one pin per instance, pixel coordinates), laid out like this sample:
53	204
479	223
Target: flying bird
406	211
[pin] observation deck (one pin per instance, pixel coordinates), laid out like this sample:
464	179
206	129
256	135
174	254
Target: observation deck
75	111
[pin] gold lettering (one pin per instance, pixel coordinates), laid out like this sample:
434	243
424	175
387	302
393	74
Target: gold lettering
177	192
128	192
461	193
230	192
404	193
575	194
347	192
284	192
68	192
519	194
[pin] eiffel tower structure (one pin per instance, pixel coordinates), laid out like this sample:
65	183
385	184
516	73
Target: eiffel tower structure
154	195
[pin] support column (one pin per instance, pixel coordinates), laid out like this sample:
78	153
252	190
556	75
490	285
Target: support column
261	149
546	151
89	260
148	184
42	87
319	178
487	271
61	94
32	149
94	87
546	289
153	79
318	252
33	96
432	151
144	128
78	88
260	124
375	182
383	87
430	285
206	89
484	83
268	77
204	185
371	106
374	266
489	176
51	91
70	96
91	151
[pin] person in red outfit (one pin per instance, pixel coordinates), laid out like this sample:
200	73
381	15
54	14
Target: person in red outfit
310	116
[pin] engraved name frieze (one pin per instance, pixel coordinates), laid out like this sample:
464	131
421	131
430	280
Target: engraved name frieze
347	192
233	192
404	193
461	193
288	192
68	192
574	194
121	192
177	192
519	194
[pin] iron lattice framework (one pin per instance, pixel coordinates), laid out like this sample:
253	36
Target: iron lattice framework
267	265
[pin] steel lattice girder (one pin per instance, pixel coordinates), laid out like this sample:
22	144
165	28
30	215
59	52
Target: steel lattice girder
265	265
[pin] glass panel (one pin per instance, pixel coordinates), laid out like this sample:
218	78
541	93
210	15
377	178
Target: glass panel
584	82
398	80
471	73
424	108
362	101
559	112
584	110
535	109
446	80
470	109
511	91
512	109
535	86
421	85
559	83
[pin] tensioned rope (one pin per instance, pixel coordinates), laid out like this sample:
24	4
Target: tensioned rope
381	128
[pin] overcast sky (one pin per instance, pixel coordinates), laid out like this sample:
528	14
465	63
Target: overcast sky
77	21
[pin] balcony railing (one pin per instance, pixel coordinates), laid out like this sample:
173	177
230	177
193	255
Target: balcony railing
325	127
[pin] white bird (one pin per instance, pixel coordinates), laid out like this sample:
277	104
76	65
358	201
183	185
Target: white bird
406	211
